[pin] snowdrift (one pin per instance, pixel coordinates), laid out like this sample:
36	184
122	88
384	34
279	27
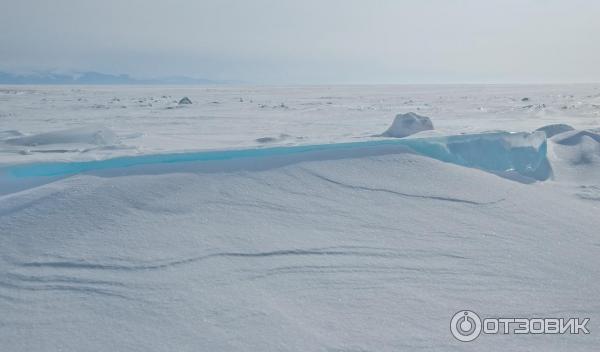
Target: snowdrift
575	157
576	137
371	253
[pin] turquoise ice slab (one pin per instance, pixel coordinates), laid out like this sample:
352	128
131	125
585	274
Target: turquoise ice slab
522	152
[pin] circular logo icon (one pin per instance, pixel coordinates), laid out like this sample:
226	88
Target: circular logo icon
465	326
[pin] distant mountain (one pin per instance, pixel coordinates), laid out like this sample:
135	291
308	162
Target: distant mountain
96	78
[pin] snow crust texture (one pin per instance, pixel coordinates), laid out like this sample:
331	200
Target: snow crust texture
340	254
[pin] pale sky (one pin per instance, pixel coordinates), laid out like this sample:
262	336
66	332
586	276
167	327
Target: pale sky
309	41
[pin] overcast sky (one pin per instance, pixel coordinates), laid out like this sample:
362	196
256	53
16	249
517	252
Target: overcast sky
309	41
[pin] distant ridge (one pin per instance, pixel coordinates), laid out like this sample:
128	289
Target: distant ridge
96	78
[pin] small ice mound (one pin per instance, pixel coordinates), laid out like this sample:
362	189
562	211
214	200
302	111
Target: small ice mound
10	134
88	135
266	139
576	137
554	129
184	100
282	137
407	124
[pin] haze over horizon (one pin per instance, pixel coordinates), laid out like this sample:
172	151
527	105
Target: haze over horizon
308	42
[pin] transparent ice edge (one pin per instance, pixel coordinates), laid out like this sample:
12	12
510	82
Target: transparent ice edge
521	152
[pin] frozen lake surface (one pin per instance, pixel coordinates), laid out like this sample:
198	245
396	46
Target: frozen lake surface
278	218
147	120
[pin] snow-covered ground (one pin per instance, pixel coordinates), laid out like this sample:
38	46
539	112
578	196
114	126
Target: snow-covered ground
279	218
149	120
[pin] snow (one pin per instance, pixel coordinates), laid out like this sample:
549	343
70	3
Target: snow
331	254
76	140
148	121
92	135
407	124
235	227
554	129
575	158
576	137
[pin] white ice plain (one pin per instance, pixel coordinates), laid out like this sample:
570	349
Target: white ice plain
371	245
